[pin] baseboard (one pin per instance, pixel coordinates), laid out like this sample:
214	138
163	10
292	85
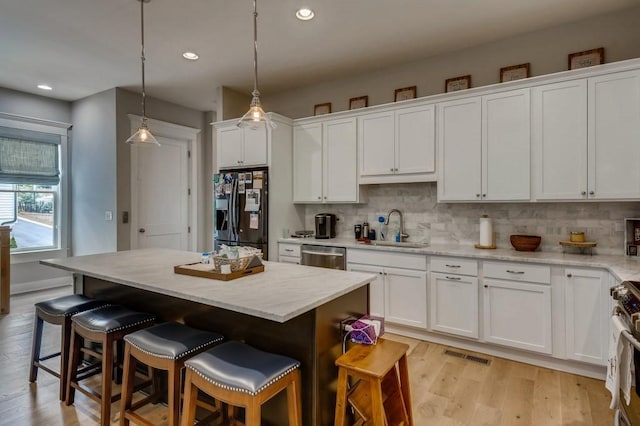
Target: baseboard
26	287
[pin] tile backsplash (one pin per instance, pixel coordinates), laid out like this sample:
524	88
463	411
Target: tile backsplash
459	223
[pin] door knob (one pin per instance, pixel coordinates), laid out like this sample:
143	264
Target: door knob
141	230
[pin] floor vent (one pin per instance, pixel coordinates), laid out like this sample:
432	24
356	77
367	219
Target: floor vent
468	357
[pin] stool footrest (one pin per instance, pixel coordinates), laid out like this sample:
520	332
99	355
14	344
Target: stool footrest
46	357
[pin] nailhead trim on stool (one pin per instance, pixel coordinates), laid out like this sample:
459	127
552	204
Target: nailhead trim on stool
57	311
106	326
163	347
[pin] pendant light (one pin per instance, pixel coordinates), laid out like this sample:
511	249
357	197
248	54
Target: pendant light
143	136
255	117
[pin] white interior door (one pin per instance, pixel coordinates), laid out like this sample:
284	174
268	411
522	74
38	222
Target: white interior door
162	198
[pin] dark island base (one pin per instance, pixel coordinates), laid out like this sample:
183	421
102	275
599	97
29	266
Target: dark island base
314	338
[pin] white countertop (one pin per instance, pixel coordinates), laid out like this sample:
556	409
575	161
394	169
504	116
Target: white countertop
280	293
622	267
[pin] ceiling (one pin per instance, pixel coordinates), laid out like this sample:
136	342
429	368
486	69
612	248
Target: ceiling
82	47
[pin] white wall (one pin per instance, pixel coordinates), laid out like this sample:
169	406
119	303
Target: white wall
547	50
93	174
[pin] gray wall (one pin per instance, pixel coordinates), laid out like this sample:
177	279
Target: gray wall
547	50
129	103
30	274
93	174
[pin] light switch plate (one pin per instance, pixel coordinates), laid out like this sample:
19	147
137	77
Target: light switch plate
108	215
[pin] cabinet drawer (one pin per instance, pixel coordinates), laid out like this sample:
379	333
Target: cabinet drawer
517	272
454	265
387	259
292	250
289	259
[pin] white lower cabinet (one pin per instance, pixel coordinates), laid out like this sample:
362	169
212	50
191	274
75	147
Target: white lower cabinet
587	314
517	313
453	304
289	253
398	294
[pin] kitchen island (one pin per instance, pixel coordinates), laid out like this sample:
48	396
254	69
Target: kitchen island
288	309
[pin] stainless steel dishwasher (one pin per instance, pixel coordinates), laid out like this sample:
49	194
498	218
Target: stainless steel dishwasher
323	256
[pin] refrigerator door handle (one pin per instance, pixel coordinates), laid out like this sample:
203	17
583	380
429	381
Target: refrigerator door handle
232	211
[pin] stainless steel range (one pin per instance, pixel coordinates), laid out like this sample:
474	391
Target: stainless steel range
627	297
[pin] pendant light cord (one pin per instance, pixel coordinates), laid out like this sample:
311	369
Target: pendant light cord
144	115
255	49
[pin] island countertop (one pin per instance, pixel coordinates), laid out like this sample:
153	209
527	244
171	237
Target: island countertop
280	293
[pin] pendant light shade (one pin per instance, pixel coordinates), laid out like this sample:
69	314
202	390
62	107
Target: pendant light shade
255	117
143	136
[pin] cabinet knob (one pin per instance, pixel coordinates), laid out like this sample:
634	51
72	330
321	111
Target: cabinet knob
569	275
583	193
486	286
391	169
395	170
239	162
319	198
380	272
477	195
591	192
325	197
484	195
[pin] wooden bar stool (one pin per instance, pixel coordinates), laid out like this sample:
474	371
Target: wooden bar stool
57	311
382	396
106	326
242	376
164	346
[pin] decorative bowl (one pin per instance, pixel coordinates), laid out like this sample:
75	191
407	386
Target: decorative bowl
525	242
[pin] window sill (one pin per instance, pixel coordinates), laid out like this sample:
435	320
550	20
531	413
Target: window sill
35	256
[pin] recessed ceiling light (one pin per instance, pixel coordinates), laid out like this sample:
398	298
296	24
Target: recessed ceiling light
44	87
305	14
192	56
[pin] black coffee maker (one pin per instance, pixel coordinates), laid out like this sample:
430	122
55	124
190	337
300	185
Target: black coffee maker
325	225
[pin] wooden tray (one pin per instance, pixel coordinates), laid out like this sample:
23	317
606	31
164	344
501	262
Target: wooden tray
584	244
190	269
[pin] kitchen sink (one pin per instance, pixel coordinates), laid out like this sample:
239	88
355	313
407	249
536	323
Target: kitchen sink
405	244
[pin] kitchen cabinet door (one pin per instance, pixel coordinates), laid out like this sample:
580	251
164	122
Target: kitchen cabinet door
459	150
406	297
559	129
517	314
255	146
376	288
340	174
506	146
587	315
376	135
415	146
307	163
614	136
453	304
230	147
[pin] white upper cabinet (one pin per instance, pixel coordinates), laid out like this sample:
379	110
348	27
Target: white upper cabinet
614	136
325	162
506	146
484	148
559	130
241	147
586	135
397	145
460	150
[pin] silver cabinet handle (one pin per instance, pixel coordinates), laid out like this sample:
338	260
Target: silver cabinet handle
453	278
288	250
452	266
321	253
515	272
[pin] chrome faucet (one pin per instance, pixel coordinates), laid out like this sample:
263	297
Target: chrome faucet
403	236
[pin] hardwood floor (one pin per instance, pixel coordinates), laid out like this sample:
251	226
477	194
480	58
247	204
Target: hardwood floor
446	389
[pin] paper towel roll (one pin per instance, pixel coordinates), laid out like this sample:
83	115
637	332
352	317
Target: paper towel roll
486	231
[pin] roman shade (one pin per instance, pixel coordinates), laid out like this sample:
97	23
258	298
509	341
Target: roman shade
29	157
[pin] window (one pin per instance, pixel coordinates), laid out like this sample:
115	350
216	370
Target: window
33	183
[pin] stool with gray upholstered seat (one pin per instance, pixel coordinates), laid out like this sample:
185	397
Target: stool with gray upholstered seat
104	326
57	311
164	346
242	376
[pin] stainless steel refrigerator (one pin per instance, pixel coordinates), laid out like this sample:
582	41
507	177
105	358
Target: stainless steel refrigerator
241	209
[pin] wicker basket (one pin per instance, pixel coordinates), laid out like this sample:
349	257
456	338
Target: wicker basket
239	264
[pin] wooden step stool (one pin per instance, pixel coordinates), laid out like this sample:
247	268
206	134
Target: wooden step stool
382	396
